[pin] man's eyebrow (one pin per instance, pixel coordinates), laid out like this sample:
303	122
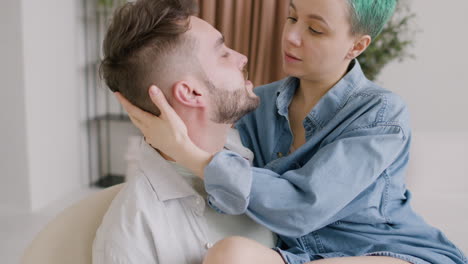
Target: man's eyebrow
312	16
220	41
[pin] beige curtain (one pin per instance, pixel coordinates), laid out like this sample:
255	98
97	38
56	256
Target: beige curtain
252	27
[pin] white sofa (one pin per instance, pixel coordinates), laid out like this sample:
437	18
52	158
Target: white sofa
69	237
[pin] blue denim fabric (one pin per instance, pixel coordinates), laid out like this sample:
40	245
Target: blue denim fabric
340	194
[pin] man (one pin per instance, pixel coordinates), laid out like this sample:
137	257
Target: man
160	216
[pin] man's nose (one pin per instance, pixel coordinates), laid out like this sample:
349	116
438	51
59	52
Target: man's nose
243	60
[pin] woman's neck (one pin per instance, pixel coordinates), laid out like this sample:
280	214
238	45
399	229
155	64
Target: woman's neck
310	90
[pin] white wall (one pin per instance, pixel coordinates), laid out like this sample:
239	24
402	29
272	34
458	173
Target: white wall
435	86
14	180
39	110
438	179
50	78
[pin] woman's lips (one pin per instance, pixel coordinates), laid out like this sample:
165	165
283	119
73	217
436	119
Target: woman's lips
291	58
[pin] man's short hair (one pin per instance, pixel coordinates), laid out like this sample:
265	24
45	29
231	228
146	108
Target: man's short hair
141	43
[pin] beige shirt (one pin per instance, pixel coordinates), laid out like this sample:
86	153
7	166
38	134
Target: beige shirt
160	217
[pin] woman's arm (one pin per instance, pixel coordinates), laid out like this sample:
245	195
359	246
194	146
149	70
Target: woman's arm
308	198
297	201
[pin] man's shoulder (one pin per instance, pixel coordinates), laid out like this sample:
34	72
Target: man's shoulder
135	196
125	222
129	204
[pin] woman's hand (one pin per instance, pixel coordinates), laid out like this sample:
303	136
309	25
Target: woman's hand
167	133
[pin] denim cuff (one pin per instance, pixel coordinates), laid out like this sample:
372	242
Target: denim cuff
228	181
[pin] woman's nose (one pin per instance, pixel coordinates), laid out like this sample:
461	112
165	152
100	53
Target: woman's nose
294	38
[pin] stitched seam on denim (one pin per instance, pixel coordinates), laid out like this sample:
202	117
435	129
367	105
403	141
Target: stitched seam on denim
381	113
319	243
337	223
390	123
410	259
394	123
360	94
284	88
351	87
381	124
307	125
315	121
306	243
277	147
385	197
355	83
348	95
364	94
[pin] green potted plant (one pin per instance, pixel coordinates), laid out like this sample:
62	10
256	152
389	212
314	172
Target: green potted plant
391	44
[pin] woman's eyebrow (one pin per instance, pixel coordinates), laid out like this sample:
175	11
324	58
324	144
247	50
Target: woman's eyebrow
314	16
311	16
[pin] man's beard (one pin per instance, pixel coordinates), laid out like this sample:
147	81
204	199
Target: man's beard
230	106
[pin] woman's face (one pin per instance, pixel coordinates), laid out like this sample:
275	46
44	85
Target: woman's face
317	39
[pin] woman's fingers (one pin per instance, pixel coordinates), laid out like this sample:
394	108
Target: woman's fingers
138	116
169	116
158	98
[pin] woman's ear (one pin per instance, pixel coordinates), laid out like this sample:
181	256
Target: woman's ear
188	94
360	45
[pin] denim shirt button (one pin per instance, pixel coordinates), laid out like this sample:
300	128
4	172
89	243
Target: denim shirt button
279	154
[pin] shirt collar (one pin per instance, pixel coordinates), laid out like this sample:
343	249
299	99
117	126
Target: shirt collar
166	182
330	103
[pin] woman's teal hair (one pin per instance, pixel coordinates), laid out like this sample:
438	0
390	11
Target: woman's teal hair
370	16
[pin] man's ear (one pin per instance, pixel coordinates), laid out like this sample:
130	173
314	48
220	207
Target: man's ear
360	45
187	93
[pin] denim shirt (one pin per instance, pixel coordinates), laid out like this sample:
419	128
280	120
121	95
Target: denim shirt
340	194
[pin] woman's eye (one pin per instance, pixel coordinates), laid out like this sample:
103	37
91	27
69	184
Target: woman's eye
292	19
225	55
315	31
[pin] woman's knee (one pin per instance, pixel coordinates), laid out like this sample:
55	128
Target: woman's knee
227	251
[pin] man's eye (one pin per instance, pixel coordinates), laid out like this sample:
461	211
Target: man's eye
225	55
292	19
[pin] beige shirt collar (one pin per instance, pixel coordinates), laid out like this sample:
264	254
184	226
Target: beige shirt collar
166	182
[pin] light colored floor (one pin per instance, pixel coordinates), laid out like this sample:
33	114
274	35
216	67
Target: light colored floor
448	213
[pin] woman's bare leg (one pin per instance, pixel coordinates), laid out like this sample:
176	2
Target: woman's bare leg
240	250
360	260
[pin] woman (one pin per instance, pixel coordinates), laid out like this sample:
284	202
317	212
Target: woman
331	149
